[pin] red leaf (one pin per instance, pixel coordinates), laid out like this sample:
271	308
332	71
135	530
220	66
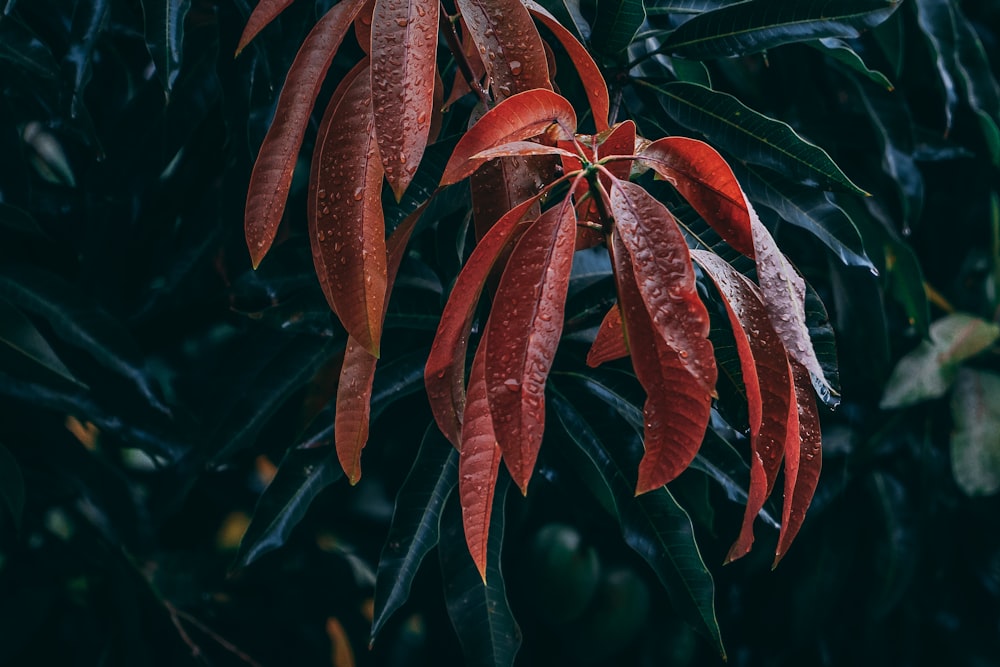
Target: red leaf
665	278
768	382
677	407
703	178
610	343
354	391
478	464
444	373
620	140
363	26
519	117
347	228
508	43
810	461
590	74
261	16
522	149
404	37
523	332
437	118
272	173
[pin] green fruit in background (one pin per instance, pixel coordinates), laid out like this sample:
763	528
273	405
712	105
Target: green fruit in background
562	574
616	615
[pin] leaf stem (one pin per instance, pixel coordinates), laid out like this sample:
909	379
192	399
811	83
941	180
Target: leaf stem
451	37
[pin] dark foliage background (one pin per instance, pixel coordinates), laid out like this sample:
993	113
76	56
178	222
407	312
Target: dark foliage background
150	382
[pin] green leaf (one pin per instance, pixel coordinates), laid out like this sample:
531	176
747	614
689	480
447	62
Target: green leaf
617	22
302	474
659	7
842	52
824	342
11	486
975	440
164	29
479	611
653	524
23	49
21	342
757	25
416	523
929	370
752	137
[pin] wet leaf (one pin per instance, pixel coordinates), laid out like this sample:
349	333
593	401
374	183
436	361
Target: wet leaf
610	343
975	439
261	16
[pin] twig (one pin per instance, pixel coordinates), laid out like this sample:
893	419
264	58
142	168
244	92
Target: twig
178	614
451	37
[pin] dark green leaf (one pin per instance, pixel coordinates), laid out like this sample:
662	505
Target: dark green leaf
20	222
617	22
25	50
757	25
302	474
658	7
842	52
11	486
752	137
164	28
691	71
825	344
479	610
416	523
567	12
89	19
21	342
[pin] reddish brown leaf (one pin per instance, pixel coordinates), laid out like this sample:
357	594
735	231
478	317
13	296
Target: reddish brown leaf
810	461
347	229
768	383
460	87
478	464
703	178
508	43
437	118
363	26
677	407
523	332
261	16
519	117
404	37
620	140
272	173
665	278
444	373
610	343
586	68
522	149
354	391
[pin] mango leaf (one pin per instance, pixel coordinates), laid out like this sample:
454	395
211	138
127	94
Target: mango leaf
936	19
479	611
842	52
346	223
930	369
522	116
11	486
164	30
610	343
975	439
752	137
272	172
363	27
508	43
302	474
404	37
678	405
23	345
617	23
653	525
523	149
261	16
416	524
89	21
981	89
523	333
21	47
758	25
660	7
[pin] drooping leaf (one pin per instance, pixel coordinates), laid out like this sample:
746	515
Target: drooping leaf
89	21
842	52
758	25
617	22
975	440
479	611
768	383
508	43
444	374
590	75
416	524
21	47
22	347
346	225
11	486
164	31
610	343
981	88
523	332
302	474
261	16
522	116
272	172
404	39
752	137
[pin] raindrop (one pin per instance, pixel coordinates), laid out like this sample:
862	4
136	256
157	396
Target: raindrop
401	22
512	384
420	10
358	194
515	67
321	193
421	118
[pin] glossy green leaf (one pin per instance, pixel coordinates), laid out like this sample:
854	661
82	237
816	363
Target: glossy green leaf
302	474
975	439
752	137
617	22
11	486
24	347
842	52
416	524
164	29
660	7
758	25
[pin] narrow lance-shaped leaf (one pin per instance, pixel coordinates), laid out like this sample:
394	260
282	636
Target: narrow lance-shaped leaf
261	16
519	117
748	27
272	172
618	141
21	341
768	384
347	228
164	31
610	343
404	39
363	26
523	333
616	23
522	149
